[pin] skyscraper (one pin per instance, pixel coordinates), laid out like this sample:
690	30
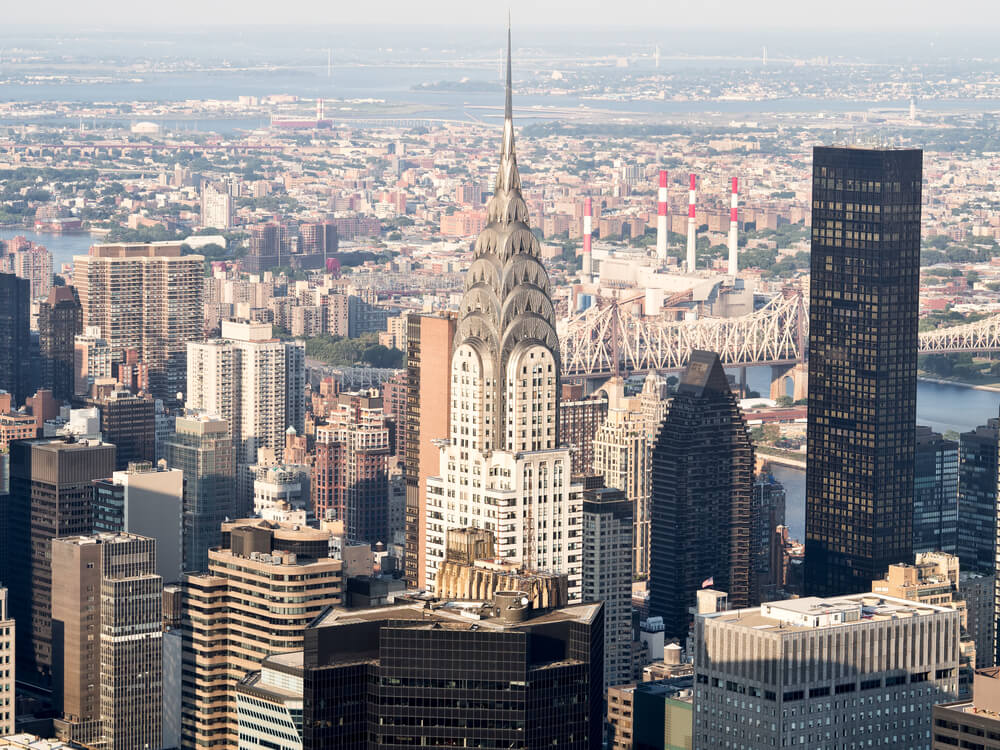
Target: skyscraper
107	640
128	422
8	663
60	319
91	360
935	493
264	584
256	383
147	297
767	512
15	337
700	498
51	494
502	468
429	347
977	496
863	298
202	448
216	206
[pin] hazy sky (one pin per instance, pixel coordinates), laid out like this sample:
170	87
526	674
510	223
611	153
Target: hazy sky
924	15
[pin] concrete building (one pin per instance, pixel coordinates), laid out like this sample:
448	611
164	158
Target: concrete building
551	665
34	265
107	645
51	495
264	584
91	360
269	705
128	422
580	418
654	715
216	206
808	660
767	513
8	665
202	448
280	486
256	383
429	349
145	500
146	297
502	467
607	574
971	723
60	319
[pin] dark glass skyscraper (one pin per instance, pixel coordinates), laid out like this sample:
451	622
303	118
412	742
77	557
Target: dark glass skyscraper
864	283
702	482
15	337
60	319
977	496
935	493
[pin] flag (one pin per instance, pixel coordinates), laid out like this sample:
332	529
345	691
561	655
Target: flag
708	582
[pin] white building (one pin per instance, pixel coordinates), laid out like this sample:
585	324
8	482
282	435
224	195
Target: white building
216	206
269	705
840	673
91	359
257	384
7	664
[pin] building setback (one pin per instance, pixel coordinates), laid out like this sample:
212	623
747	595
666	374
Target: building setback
863	311
51	494
108	627
804	672
425	674
702	483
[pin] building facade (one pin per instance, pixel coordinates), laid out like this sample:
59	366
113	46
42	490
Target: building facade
15	337
863	311
129	423
108	627
797	663
60	319
146	297
935	493
702	484
977	496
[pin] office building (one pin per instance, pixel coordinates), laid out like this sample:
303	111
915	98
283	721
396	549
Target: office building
621	454
128	422
429	349
256	383
702	485
978	592
607	574
60	319
502	467
216	206
973	723
8	664
797	663
269	705
264	585
91	360
202	448
147	501
580	418
935	493
15	337
280	488
146	297
653	715
107	641
351	471
863	310
767	513
977	497
368	676
51	495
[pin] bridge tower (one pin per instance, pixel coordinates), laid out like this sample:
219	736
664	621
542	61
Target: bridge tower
798	372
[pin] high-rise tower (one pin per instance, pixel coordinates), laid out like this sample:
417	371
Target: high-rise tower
862	365
503	465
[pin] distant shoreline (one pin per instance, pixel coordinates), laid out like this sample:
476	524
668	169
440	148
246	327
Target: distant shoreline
941	381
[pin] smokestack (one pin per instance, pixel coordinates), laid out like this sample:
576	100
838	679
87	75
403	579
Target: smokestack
588	259
691	225
734	202
661	219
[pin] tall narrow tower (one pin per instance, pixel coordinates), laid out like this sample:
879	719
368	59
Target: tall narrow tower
661	219
734	263
588	258
692	227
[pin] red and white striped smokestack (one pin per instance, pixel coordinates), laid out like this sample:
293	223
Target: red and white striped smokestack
588	258
661	219
734	202
691	224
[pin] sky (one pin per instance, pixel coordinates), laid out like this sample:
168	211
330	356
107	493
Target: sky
914	15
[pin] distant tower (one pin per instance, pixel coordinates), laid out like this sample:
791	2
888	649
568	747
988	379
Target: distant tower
656	56
763	56
588	258
692	227
734	265
661	219
329	62
913	110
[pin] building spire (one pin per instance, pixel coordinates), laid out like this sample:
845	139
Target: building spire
507	176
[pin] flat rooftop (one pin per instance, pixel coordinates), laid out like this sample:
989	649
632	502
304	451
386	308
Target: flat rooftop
812	612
